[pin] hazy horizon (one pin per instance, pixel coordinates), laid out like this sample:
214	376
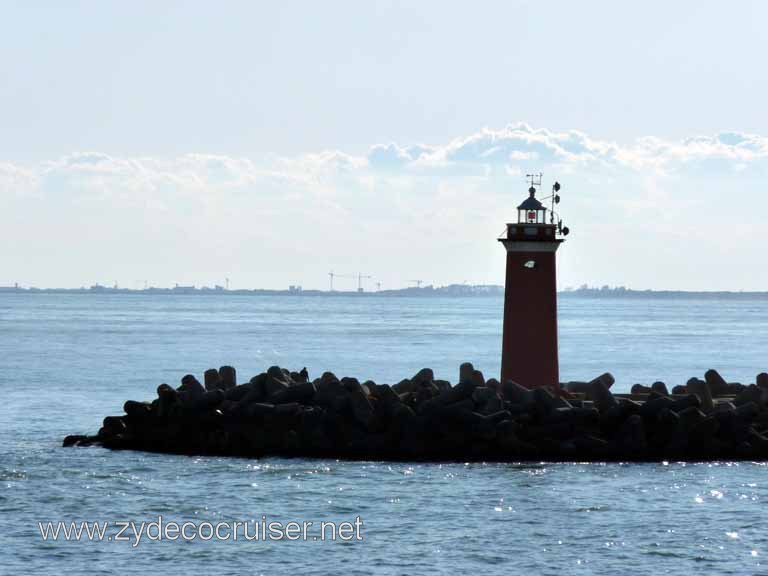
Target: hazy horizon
368	290
182	143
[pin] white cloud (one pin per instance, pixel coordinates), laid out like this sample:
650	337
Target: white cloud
16	179
508	148
568	150
407	204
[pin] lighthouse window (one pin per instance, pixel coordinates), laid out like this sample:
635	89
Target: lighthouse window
530	264
530	231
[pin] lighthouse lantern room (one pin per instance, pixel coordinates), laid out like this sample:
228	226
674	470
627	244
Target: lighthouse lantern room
531	211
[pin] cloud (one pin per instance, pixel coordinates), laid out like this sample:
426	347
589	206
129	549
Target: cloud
570	150
521	142
392	156
194	172
574	149
16	179
392	208
508	149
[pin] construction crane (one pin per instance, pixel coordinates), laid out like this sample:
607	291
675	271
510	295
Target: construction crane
417	282
360	277
333	275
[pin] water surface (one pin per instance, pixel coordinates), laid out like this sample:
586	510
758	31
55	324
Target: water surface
68	360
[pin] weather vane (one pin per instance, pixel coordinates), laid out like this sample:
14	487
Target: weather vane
534	179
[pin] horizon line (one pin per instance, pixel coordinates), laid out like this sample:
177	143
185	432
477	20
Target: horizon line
455	288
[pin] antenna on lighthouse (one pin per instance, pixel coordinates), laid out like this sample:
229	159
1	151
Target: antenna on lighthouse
555	199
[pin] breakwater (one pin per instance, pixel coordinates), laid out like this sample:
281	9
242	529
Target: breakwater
280	412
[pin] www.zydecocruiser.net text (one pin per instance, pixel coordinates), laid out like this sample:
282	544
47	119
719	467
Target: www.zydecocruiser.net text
261	530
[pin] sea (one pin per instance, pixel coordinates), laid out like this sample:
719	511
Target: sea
68	360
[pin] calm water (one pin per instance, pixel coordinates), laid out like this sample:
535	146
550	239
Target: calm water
68	360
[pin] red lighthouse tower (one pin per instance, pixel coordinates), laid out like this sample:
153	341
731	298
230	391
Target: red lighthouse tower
529	343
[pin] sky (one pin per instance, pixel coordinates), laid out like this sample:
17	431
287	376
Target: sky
270	143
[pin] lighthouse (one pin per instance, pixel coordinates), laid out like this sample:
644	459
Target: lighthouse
529	343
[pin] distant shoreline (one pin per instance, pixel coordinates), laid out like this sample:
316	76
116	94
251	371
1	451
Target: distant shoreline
455	290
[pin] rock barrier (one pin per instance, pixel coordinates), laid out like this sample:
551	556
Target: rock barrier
285	413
